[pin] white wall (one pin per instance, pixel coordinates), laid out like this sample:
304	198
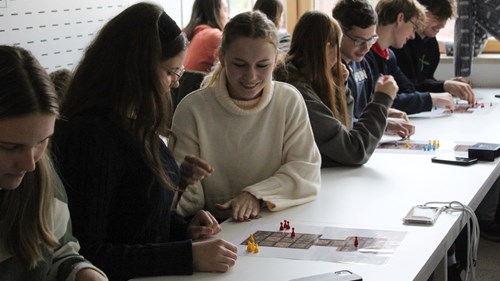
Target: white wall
485	71
58	31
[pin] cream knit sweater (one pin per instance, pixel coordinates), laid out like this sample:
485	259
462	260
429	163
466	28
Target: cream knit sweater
267	150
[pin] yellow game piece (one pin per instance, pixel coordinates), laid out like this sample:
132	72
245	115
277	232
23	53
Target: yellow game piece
256	248
250	247
438	144
407	143
251	238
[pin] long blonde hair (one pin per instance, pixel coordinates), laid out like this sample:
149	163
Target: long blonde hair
253	24
25	211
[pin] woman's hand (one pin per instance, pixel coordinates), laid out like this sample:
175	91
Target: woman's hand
396	113
203	225
194	169
387	85
214	255
245	206
344	72
400	127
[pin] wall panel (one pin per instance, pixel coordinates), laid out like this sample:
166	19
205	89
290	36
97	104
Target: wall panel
58	31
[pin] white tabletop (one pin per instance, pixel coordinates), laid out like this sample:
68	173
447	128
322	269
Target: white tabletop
377	196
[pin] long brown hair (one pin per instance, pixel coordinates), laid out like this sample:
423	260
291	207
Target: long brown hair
25	88
204	12
120	70
311	34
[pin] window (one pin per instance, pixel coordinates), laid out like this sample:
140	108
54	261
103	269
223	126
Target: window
239	6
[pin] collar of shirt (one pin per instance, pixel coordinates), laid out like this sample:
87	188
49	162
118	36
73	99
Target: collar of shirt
378	50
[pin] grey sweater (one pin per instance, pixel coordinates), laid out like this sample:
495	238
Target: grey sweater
338	144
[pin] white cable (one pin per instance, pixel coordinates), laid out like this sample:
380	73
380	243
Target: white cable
472	233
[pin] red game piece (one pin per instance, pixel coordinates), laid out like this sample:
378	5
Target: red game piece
482	105
293	232
281	226
356	242
491	104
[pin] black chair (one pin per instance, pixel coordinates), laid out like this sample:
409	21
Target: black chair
189	82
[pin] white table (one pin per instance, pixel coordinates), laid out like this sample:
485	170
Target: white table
377	196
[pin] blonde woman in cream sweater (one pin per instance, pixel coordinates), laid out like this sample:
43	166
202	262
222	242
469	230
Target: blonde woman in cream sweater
254	132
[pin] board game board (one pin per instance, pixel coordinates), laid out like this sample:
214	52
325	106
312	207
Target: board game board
282	239
479	107
461	107
407	145
310	242
425	147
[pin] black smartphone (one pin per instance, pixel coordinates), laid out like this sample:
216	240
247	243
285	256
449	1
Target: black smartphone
497	96
454	160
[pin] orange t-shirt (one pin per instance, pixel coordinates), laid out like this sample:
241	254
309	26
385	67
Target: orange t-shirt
203	49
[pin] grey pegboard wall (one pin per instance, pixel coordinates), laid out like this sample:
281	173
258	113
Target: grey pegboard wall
58	31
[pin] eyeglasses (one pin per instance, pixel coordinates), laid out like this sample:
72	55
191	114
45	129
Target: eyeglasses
360	41
177	72
415	27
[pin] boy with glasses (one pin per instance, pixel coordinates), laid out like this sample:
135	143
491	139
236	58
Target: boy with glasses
358	21
397	22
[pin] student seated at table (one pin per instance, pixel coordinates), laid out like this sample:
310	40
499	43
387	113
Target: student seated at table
312	65
119	175
204	31
397	22
274	11
254	131
358	22
419	57
35	229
